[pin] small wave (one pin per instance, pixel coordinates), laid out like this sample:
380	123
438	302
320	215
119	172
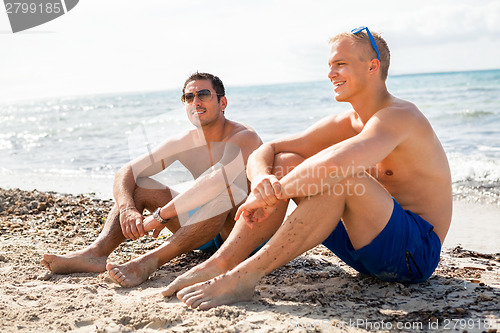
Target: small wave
477	192
476	113
473	167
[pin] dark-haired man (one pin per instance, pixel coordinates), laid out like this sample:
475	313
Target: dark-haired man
215	153
372	184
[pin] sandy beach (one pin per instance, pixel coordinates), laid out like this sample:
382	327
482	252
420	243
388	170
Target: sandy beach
315	292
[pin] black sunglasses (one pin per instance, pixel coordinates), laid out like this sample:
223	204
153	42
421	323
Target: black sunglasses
205	95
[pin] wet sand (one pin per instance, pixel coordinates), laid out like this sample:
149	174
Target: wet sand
315	292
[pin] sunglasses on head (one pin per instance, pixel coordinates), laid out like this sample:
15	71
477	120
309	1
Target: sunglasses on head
372	40
205	95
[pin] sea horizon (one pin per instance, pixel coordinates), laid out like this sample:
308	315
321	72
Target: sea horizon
179	88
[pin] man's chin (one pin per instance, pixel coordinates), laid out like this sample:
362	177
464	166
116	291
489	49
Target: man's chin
339	98
195	121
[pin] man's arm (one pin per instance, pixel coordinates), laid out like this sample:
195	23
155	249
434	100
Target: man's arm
344	159
215	180
321	135
379	137
144	166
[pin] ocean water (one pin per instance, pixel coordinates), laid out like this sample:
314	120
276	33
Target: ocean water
77	144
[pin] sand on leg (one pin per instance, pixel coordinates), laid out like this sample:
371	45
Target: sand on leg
242	241
185	239
312	221
214	217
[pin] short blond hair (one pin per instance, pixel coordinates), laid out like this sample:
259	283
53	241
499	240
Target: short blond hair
363	39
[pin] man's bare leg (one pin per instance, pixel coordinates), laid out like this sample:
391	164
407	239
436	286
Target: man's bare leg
195	231
93	258
185	239
242	241
310	224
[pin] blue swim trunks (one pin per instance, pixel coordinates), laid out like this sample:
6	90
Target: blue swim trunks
214	244
407	250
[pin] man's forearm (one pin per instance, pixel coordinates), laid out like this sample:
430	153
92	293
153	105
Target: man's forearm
124	187
313	176
203	190
260	162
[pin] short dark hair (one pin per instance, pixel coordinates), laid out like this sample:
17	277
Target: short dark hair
216	83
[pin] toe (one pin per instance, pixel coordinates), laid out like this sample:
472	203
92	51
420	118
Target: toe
110	266
46	264
168	292
184	292
194	300
171	288
207	304
117	274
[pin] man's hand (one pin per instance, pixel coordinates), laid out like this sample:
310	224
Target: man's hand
267	190
131	223
150	223
253	211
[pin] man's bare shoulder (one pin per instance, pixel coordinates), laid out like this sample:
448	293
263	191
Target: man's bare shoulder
403	114
346	124
190	136
241	133
403	123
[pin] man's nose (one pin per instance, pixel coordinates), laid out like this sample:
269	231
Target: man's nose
332	74
196	100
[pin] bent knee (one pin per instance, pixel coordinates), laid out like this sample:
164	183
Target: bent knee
151	193
355	185
285	162
146	183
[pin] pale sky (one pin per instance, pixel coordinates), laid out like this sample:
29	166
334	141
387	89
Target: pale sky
107	46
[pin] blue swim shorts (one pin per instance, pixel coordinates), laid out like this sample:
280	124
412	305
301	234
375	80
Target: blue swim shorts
214	244
407	250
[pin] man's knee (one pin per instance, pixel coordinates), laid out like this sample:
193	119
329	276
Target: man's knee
149	192
353	185
285	162
146	183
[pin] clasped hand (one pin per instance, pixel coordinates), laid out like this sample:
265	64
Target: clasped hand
265	194
134	225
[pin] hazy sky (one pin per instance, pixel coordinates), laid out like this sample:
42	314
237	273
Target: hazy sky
104	46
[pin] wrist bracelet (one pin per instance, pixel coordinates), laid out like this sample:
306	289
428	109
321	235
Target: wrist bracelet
127	208
157	216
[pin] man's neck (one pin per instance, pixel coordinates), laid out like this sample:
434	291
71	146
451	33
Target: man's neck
213	132
371	101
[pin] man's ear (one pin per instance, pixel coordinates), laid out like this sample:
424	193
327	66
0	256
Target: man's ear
223	103
374	66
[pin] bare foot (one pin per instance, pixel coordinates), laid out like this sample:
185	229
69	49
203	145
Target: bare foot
229	288
76	262
132	273
200	273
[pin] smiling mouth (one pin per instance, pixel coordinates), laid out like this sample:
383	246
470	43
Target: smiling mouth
198	111
338	84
